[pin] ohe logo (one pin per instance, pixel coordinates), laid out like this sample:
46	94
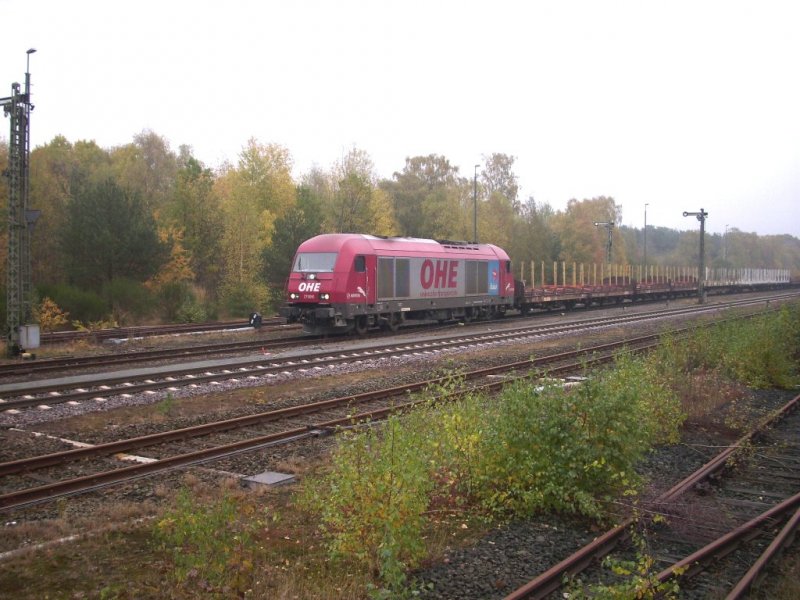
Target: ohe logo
308	286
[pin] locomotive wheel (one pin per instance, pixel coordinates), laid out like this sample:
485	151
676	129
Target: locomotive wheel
392	322
361	324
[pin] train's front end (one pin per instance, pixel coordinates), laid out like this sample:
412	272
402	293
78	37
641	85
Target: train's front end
312	295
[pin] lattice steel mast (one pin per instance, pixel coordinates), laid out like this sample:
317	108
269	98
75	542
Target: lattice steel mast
20	218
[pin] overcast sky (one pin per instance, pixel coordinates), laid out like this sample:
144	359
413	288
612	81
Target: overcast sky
678	104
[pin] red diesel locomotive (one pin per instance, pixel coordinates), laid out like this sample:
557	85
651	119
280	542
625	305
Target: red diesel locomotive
352	282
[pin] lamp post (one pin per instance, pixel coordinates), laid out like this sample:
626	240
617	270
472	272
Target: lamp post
645	235
609	226
475	206
701	275
725	245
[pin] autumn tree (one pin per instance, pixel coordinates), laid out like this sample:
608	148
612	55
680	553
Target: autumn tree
533	237
56	169
581	240
253	195
298	224
109	233
498	177
194	209
355	203
146	166
427	196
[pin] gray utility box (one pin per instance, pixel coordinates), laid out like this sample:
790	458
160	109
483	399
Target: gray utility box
29	337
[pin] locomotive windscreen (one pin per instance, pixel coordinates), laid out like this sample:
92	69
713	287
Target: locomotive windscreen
316	262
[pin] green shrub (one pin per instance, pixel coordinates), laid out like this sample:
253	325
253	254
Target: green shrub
240	300
758	352
761	352
82	305
130	300
191	311
530	449
565	449
171	297
372	507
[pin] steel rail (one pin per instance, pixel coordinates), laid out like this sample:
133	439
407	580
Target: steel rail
38	494
551	580
46	460
60	337
25	397
724	545
60	363
783	539
204	374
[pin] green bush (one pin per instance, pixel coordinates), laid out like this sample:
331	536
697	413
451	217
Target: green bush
761	352
530	449
191	311
130	300
82	305
242	299
758	352
171	297
565	449
372	507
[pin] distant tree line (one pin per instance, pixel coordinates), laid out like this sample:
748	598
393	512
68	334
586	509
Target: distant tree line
143	233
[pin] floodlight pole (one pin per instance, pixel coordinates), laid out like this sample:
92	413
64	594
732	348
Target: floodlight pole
645	235
725	246
610	227
475	206
701	275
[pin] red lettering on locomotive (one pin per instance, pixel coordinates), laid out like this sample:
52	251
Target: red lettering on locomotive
426	274
452	280
441	273
444	274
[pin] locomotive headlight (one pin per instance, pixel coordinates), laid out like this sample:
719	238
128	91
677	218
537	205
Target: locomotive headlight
312	276
293	296
324	296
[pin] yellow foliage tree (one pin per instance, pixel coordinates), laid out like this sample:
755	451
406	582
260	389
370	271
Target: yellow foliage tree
50	316
178	268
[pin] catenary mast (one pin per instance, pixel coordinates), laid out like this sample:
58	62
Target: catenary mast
20	217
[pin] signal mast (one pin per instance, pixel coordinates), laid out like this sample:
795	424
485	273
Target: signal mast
21	334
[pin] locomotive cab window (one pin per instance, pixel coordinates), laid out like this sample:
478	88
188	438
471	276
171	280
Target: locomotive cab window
315	262
508	266
360	264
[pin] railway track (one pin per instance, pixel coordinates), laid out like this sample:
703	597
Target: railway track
733	509
101	387
72	363
556	365
139	331
128	358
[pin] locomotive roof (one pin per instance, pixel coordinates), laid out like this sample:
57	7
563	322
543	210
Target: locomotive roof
364	243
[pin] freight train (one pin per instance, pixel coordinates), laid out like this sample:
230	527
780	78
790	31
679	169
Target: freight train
355	282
